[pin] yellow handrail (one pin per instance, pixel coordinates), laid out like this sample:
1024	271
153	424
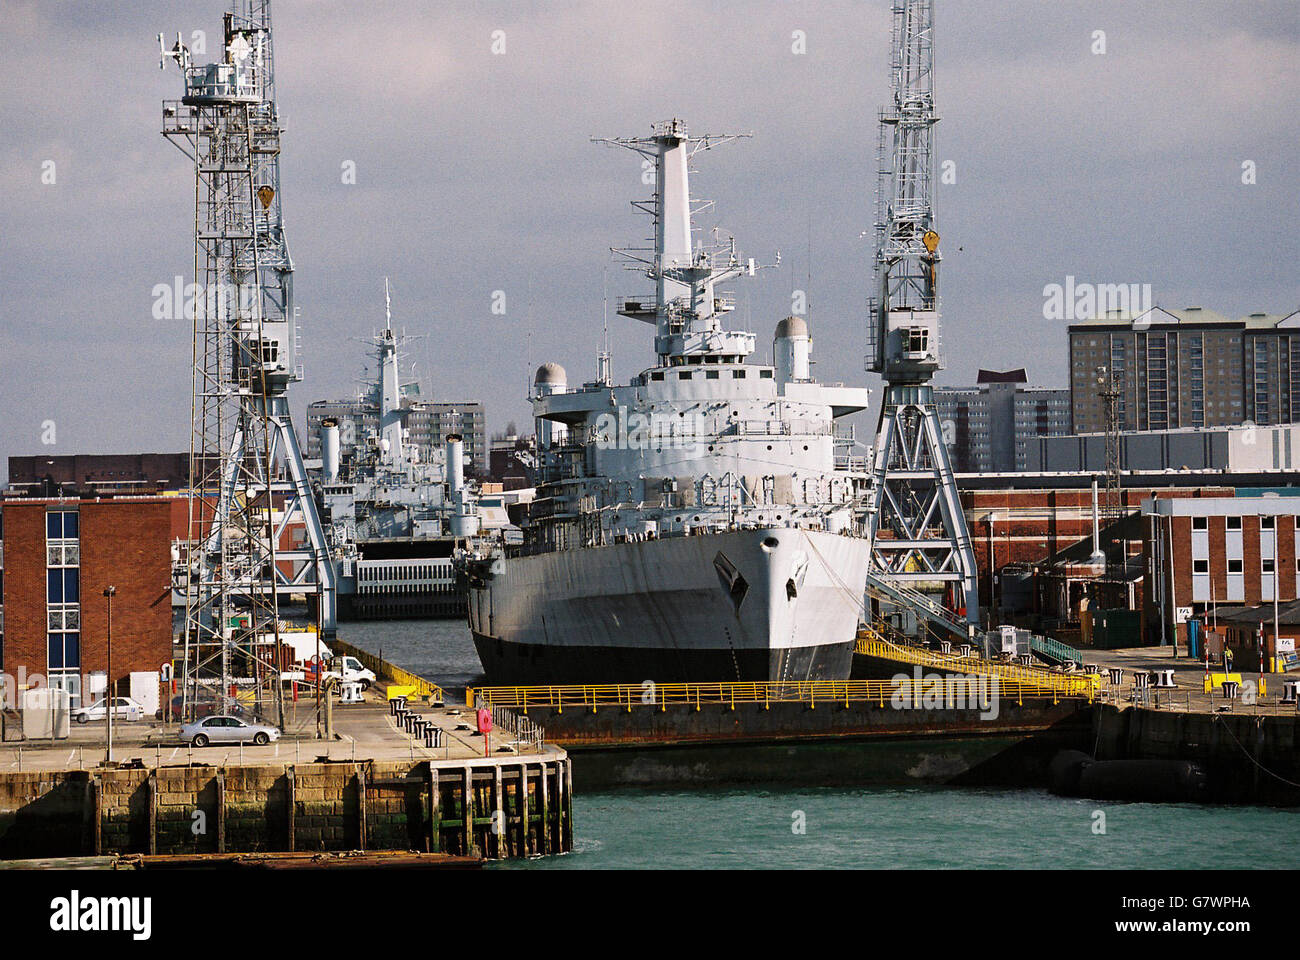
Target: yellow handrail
870	643
729	693
383	668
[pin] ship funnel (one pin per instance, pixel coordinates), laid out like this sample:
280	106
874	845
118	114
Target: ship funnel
329	450
792	350
455	464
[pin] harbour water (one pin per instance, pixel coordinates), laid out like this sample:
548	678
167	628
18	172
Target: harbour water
868	827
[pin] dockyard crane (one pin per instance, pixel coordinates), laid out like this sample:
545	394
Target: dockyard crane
917	528
249	490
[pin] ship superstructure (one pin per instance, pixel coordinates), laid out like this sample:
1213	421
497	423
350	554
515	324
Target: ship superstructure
704	521
395	517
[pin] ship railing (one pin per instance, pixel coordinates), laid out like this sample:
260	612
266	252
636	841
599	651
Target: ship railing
811	693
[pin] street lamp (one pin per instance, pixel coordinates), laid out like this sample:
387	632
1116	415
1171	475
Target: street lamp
109	593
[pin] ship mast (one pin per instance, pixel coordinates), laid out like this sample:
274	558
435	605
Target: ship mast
686	310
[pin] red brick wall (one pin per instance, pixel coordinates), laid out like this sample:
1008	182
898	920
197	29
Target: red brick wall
126	543
24	599
123	542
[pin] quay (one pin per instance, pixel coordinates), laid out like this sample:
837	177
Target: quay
937	723
388	781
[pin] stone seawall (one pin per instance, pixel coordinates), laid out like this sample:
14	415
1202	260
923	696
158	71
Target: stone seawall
517	807
1248	759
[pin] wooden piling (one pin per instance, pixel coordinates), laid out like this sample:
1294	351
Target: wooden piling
221	811
291	804
467	811
544	831
151	785
498	831
524	828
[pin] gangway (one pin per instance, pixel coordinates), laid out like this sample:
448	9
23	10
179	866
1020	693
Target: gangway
882	587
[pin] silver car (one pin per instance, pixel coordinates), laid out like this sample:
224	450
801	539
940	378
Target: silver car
226	729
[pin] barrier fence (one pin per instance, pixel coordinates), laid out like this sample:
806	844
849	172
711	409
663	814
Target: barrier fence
812	693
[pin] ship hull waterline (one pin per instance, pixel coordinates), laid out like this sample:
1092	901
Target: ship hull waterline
767	604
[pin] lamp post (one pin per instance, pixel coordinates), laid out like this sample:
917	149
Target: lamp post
109	593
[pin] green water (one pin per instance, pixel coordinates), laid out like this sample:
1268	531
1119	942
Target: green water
903	828
876	827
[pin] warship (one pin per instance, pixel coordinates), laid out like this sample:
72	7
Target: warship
393	516
704	521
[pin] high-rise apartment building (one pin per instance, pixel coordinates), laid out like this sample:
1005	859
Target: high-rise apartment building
1186	368
990	428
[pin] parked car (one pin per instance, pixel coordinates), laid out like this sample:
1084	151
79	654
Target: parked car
227	729
124	708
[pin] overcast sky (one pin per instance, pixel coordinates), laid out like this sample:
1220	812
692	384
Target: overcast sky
474	173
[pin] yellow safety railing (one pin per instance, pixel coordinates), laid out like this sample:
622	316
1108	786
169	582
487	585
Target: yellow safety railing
872	644
382	668
810	692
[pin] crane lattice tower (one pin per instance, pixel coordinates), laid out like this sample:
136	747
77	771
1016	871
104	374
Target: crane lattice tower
917	528
250	497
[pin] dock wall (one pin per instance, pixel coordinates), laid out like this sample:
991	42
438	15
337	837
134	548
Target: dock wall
494	808
854	743
1248	759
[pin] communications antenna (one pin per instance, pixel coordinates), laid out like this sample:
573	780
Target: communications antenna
1110	389
917	529
250	498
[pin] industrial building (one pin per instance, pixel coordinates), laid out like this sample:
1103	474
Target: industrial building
428	422
98	474
57	556
993	425
1236	450
1186	368
1034	548
1229	551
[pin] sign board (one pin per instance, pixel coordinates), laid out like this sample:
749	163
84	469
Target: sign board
1182	614
165	673
1286	644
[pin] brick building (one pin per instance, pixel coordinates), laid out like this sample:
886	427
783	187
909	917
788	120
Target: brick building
56	558
92	474
1032	547
1231	551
